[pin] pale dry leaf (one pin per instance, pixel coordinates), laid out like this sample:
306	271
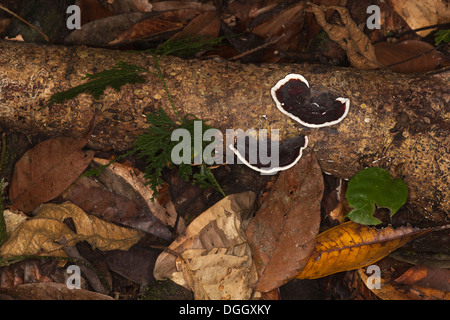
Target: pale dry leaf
217	274
422	13
13	220
213	240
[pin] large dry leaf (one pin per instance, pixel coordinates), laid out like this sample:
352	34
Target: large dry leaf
282	233
213	258
47	169
409	56
45	232
351	246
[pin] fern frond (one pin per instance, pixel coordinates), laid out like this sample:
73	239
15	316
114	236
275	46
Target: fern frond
119	75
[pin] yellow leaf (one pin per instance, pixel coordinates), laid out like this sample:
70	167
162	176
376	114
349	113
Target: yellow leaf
351	246
45	231
35	236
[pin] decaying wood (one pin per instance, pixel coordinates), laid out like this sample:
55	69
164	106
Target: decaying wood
395	121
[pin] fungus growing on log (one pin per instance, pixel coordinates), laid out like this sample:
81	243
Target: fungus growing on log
292	96
290	152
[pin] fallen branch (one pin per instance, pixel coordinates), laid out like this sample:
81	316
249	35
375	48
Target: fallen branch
397	122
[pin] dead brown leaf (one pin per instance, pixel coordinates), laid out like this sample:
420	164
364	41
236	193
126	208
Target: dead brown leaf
94	199
164	22
409	56
287	24
282	233
425	276
205	24
48	169
51	291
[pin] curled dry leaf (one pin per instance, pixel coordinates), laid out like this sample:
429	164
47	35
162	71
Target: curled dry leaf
124	181
213	258
92	198
45	232
282	232
359	49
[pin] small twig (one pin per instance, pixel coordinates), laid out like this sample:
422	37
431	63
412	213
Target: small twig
243	54
27	23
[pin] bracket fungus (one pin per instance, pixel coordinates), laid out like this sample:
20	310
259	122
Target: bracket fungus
293	97
289	153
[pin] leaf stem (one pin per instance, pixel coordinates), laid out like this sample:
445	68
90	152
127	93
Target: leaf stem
166	89
214	180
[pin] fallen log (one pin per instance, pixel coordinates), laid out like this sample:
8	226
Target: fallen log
398	122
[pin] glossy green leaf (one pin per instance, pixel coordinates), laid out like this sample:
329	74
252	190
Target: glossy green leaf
370	187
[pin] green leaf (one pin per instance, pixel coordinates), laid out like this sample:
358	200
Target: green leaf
442	36
374	186
119	75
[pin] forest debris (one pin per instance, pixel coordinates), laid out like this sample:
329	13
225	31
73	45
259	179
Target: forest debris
360	51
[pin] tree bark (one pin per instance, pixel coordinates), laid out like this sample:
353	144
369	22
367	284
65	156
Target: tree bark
398	122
